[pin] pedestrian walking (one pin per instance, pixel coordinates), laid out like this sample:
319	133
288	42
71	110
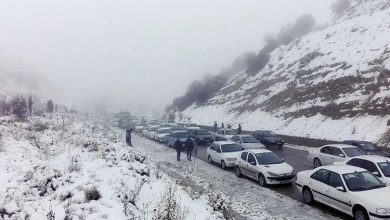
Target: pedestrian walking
215	127
239	129
223	126
128	137
177	146
229	126
189	147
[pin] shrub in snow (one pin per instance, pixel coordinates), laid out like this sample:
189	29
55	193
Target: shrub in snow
220	205
39	125
74	165
92	194
170	207
2	145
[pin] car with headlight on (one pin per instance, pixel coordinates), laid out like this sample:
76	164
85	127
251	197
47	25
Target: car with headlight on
248	141
265	167
352	190
329	154
224	153
377	165
162	134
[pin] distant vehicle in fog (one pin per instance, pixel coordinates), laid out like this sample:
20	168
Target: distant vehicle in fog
248	141
224	134
162	134
201	136
268	138
174	135
138	128
329	154
368	147
151	132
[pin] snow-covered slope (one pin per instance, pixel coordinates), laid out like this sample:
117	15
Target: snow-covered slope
72	167
332	83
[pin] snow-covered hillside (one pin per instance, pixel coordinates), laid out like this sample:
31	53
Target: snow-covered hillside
72	167
333	83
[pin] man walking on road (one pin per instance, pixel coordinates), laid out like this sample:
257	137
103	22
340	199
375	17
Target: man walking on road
177	146
128	137
215	127
189	147
239	129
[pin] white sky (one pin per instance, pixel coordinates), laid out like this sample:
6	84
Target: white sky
127	53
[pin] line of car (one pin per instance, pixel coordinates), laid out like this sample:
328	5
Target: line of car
352	177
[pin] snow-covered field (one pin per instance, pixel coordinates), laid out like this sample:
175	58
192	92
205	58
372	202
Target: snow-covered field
73	167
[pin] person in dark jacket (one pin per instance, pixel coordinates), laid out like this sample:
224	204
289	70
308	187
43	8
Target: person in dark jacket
239	129
223	125
128	137
215	127
189	147
177	146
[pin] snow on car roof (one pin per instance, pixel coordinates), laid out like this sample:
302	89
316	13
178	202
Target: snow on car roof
258	151
225	142
342	169
339	145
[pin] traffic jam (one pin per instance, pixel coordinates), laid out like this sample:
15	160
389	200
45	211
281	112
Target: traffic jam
352	176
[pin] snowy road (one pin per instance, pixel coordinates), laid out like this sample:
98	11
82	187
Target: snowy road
248	200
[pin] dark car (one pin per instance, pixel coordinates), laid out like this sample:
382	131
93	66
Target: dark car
268	138
201	136
368	147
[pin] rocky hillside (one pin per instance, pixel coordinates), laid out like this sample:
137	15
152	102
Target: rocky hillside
332	83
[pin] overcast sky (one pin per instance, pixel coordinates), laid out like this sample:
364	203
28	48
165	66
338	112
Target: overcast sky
126	53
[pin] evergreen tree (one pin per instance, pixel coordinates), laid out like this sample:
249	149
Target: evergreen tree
50	106
30	105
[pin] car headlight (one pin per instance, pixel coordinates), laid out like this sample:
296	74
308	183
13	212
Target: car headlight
272	174
231	159
383	211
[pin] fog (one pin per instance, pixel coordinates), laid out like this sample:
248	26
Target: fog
128	54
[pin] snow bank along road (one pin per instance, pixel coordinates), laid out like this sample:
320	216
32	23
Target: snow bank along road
246	198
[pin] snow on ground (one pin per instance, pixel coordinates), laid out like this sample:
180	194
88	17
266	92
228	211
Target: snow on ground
245	198
72	167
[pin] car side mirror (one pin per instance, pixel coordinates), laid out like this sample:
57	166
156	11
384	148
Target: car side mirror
253	163
240	142
376	174
340	188
341	155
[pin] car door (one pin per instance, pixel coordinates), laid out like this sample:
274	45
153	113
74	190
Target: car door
251	166
211	151
370	166
217	153
325	155
242	163
337	155
337	198
320	184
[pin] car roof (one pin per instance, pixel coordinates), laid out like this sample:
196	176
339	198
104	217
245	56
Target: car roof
243	135
342	169
356	141
258	151
373	158
224	142
163	128
338	145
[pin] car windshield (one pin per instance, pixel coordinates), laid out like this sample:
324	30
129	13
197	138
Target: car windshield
362	181
385	167
268	134
153	129
164	131
367	146
181	135
268	158
203	132
353	151
248	139
230	132
226	148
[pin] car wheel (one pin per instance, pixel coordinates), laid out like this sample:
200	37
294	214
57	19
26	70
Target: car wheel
262	181
307	196
360	213
238	172
210	160
223	165
317	162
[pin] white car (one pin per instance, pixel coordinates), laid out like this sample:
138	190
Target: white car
224	134
162	135
329	154
151	132
224	153
265	167
248	141
352	190
139	128
377	165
